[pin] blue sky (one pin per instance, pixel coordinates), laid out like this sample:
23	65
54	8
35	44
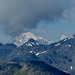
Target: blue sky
47	18
53	31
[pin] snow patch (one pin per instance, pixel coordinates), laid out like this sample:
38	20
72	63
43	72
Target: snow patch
43	52
71	67
69	38
31	52
29	44
69	45
37	43
57	44
65	39
20	40
64	71
37	54
33	43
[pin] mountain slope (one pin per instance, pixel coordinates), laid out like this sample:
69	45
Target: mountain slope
60	54
29	68
24	37
5	50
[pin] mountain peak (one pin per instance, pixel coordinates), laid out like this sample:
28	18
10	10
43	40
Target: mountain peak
74	35
28	35
32	42
25	36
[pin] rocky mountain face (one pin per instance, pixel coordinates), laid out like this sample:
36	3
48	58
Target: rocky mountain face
5	50
59	54
28	68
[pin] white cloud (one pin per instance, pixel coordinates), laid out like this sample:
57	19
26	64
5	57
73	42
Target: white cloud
63	37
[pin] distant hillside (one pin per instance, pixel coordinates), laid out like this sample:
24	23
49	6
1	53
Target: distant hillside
29	68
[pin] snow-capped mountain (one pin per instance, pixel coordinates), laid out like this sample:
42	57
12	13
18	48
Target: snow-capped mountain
24	37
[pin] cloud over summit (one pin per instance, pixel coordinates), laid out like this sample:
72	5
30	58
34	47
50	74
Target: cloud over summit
16	15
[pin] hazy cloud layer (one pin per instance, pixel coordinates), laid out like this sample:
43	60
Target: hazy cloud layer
63	37
15	15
